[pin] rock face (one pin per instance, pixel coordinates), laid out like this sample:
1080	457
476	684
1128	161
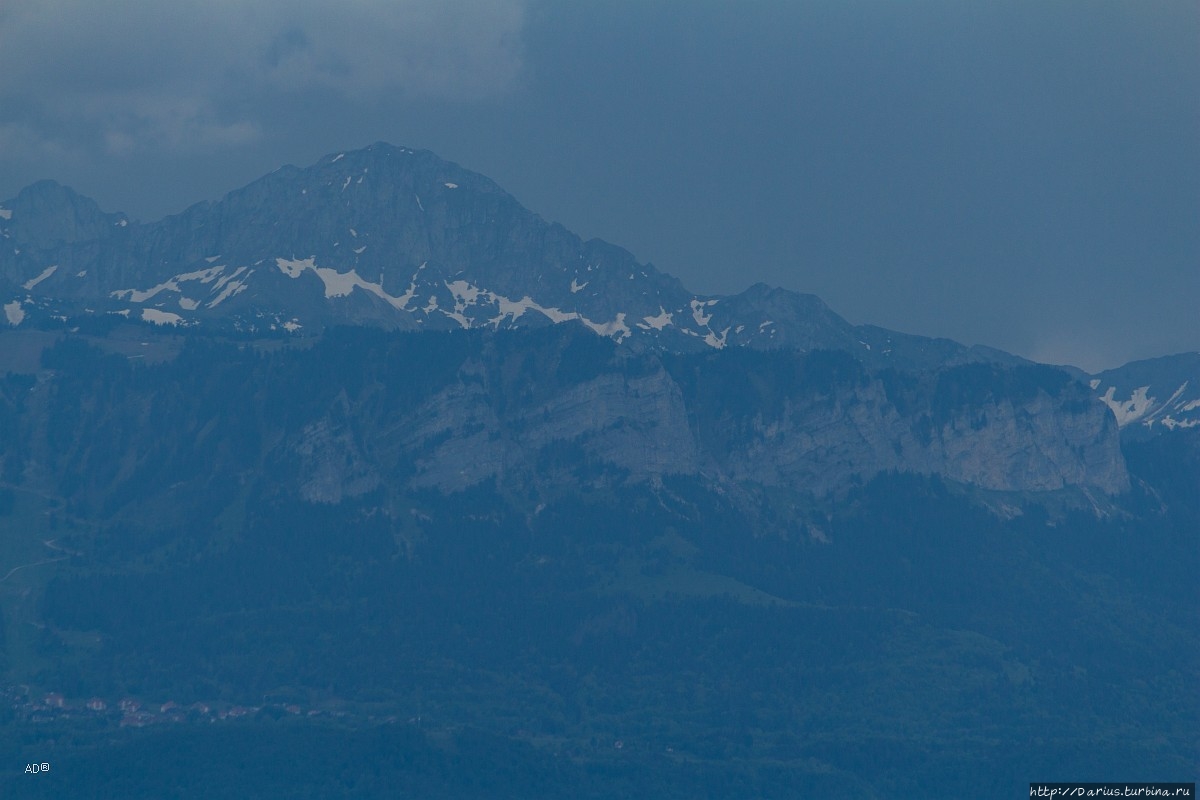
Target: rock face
361	413
636	425
820	421
399	239
816	440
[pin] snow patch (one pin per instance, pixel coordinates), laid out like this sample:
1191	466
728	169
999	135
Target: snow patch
419	202
576	286
403	300
450	185
359	250
231	288
512	309
659	322
1094	384
466	294
14	312
340	284
1141	407
226	279
160	317
5	213
337	158
698	314
188	304
294	267
229	285
46	273
1131	410
347	183
713	340
1170	423
617	329
1170	400
169	285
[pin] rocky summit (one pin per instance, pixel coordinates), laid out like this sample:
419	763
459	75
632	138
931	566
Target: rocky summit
399	239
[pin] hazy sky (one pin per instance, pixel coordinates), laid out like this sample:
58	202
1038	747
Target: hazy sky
1019	174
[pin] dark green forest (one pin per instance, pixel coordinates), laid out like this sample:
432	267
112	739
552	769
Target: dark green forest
585	636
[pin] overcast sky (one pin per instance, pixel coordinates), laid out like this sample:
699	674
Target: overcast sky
1019	174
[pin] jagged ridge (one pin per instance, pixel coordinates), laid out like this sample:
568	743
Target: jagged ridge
396	238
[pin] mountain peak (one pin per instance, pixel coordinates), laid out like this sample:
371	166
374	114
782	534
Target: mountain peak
48	196
47	214
398	238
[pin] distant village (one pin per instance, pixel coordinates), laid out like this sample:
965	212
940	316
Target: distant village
128	712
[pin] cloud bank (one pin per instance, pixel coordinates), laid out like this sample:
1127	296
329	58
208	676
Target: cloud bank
123	76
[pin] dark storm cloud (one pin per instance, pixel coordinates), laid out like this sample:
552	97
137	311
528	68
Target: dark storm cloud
139	74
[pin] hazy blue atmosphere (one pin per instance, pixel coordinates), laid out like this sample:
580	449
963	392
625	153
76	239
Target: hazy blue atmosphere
1024	175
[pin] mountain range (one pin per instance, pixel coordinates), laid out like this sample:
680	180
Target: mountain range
401	239
367	452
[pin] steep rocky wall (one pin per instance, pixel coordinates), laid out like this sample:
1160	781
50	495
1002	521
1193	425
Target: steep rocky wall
543	409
